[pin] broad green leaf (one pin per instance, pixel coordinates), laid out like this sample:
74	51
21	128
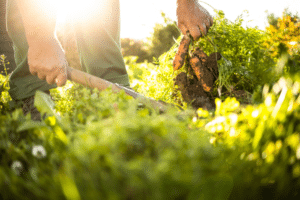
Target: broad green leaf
258	135
60	134
69	187
27	125
45	105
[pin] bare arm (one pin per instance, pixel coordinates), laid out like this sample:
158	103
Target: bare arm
46	58
39	19
193	17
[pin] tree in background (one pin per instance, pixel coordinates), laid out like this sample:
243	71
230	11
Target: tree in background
163	37
161	40
273	20
286	30
284	40
131	47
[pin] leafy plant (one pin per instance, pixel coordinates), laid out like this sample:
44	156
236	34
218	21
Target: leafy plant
103	145
267	137
283	41
131	47
163	37
107	146
245	63
4	86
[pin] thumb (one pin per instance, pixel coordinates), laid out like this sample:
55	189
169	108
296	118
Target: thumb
183	29
61	79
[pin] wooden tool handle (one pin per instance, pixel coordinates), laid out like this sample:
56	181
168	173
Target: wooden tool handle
91	81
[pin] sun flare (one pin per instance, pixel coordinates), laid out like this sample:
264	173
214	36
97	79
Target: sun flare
78	9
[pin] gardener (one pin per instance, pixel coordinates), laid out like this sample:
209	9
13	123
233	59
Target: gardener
40	59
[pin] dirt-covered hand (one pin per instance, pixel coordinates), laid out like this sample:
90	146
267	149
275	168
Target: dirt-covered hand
48	62
193	18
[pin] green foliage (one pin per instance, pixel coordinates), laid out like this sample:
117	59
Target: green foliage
273	20
245	63
4	63
104	150
155	81
4	86
161	40
131	47
163	37
266	137
103	145
283	42
287	64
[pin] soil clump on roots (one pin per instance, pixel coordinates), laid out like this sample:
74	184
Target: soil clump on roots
197	84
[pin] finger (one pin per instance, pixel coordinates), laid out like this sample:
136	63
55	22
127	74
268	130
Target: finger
41	76
61	79
51	79
182	28
209	22
33	72
203	29
195	32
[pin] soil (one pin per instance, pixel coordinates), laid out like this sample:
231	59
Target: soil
241	95
192	92
197	87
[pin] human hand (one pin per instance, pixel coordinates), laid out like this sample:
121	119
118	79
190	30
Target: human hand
193	18
47	61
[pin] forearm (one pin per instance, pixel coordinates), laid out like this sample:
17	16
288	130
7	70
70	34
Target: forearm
182	4
179	2
39	20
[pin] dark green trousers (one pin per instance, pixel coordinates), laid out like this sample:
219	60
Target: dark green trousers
98	39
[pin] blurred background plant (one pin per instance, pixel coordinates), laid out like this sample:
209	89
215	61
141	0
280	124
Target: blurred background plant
102	145
4	85
162	39
122	150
